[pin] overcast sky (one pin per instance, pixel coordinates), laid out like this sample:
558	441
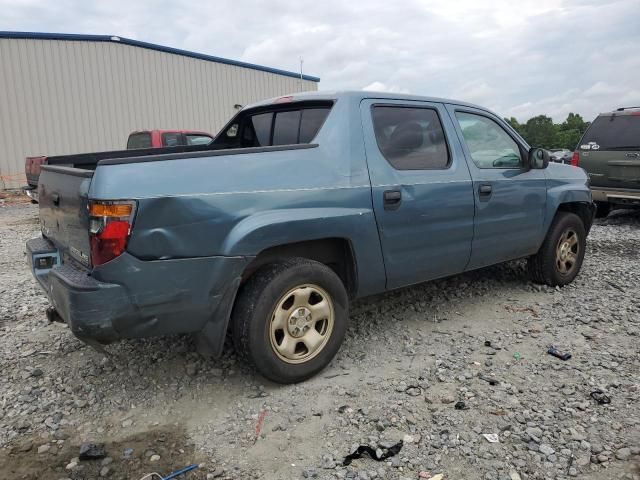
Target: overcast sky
518	57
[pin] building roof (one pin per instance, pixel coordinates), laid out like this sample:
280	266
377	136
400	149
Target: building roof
151	46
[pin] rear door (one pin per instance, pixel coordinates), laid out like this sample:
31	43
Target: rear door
510	198
610	151
421	187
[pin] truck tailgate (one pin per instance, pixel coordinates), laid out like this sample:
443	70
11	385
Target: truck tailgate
64	216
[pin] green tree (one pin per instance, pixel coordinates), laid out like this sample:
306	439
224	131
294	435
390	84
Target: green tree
540	132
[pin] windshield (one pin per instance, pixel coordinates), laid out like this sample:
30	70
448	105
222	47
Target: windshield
615	132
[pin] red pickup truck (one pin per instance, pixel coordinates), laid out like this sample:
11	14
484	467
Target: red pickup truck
151	140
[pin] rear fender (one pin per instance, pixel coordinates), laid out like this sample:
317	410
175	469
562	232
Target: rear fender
273	228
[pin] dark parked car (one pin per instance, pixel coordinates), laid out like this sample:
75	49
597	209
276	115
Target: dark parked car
609	151
300	204
560	155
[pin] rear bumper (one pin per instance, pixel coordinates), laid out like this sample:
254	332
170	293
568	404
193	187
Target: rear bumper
149	298
613	195
31	192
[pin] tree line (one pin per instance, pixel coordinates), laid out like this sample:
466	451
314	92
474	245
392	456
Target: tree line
540	131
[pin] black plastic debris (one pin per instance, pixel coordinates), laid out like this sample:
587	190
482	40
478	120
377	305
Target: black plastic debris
487	343
490	380
558	354
376	454
343	408
92	451
600	397
460	406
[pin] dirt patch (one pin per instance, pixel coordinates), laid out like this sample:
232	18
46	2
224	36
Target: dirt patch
128	458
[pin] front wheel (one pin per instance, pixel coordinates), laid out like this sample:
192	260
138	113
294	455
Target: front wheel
560	257
290	319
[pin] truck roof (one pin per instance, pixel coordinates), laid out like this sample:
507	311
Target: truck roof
358	94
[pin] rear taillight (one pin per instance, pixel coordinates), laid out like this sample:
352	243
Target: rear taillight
110	225
575	159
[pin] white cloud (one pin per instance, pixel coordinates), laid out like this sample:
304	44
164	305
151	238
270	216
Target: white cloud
519	58
381	87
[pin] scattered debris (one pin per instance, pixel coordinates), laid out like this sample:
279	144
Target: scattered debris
92	451
491	437
517	356
378	454
260	423
556	353
182	471
490	380
600	397
616	286
460	406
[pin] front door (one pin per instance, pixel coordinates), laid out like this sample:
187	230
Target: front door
510	198
421	187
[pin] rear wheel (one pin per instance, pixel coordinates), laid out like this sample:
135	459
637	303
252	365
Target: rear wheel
560	257
602	209
290	319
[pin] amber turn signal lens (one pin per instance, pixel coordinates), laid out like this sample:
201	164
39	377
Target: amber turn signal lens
110	210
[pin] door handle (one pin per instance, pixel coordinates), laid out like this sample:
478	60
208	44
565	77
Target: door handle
485	189
392	199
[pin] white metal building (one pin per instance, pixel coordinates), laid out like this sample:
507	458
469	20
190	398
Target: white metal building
67	93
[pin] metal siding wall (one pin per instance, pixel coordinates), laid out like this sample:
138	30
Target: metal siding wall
59	97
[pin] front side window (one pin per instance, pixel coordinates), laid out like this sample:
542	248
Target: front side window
489	144
410	138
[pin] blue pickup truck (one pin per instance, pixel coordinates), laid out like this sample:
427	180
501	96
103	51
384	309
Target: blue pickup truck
300	204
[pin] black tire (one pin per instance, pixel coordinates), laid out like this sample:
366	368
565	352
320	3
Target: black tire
602	209
254	308
544	266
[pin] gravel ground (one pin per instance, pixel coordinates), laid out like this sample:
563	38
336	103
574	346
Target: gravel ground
437	365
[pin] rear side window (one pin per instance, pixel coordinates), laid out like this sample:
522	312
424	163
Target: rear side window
139	140
172	139
614	132
411	138
282	125
193	139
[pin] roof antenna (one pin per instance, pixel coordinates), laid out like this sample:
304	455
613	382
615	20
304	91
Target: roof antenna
301	62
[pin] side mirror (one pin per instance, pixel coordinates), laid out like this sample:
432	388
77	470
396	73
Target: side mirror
538	158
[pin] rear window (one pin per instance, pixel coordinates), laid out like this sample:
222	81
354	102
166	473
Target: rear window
280	125
139	140
614	132
172	139
194	139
